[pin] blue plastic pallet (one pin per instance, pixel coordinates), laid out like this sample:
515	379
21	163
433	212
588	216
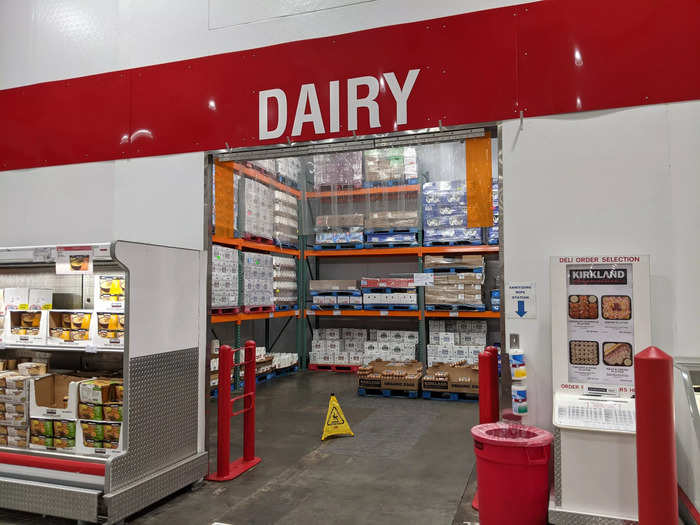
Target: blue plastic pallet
380	289
285	180
383	183
281	372
285	307
339	246
391	244
336	307
337	293
391	230
372	392
404	307
479	269
455	307
287	245
450	396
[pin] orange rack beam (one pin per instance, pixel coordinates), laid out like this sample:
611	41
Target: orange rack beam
481	248
257	175
468	315
363	191
411	250
234	318
238	243
363	313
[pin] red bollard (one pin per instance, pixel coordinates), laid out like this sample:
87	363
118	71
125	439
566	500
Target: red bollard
224	469
657	483
488	385
488	393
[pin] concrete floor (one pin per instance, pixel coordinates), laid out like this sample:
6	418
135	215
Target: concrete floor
409	462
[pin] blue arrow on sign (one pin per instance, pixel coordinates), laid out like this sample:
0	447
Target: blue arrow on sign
521	308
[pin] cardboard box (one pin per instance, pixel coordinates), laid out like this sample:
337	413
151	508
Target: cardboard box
410	337
70	327
333	285
354	346
332	333
335	346
318	346
54	396
383	336
342	358
402	376
464	379
461	353
355	299
371	346
436	378
40	299
99	391
447	338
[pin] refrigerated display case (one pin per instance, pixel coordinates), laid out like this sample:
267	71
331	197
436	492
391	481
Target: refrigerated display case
100	450
687	405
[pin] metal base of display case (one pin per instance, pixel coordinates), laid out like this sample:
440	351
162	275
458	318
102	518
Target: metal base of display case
558	516
139	495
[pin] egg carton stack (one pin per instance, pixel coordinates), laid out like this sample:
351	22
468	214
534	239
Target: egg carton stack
338	346
286	223
257	203
224	277
455	340
258	288
284	282
338	170
445	214
391	345
289	170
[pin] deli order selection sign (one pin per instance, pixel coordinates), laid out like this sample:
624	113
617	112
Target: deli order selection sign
600	320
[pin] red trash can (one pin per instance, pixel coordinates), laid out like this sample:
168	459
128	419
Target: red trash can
514	460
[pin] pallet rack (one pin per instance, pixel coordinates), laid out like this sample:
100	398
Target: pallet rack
308	258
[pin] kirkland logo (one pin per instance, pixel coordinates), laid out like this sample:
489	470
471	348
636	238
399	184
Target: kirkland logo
598	276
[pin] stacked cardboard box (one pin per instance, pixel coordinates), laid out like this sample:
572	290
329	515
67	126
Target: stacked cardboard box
286	223
257	203
285	280
392	219
463	288
391	165
338	346
224	276
455	340
456	378
258	281
290	168
338	170
391	345
445	213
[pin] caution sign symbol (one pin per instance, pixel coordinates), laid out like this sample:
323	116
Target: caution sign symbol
336	424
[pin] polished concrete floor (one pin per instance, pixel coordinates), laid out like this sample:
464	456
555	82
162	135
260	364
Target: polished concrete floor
409	462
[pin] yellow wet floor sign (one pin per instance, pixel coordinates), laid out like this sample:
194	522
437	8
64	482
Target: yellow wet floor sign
336	424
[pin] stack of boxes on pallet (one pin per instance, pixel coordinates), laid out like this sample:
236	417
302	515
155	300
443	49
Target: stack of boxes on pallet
390	166
391	229
224	277
391	345
338	170
444	214
457	282
389	293
390	377
258	284
285	282
257	203
335	294
340	230
286	223
289	170
455	341
338	346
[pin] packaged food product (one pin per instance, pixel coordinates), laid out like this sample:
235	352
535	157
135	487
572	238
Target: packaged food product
111	431
95	391
4	376
41	427
112	412
92	430
41	441
90	411
32	369
16	381
617	307
64	428
92	443
110	444
62	442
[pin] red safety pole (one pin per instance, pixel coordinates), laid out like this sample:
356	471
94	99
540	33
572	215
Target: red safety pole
657	483
488	394
226	470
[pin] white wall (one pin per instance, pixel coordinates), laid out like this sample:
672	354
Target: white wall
50	40
156	200
621	181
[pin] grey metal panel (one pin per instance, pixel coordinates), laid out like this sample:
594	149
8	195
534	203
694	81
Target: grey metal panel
563	517
557	466
50	499
161	415
147	491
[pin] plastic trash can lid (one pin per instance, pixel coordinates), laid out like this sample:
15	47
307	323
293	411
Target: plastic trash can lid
510	435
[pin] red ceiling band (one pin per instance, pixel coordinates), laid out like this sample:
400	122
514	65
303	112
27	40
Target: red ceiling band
549	57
